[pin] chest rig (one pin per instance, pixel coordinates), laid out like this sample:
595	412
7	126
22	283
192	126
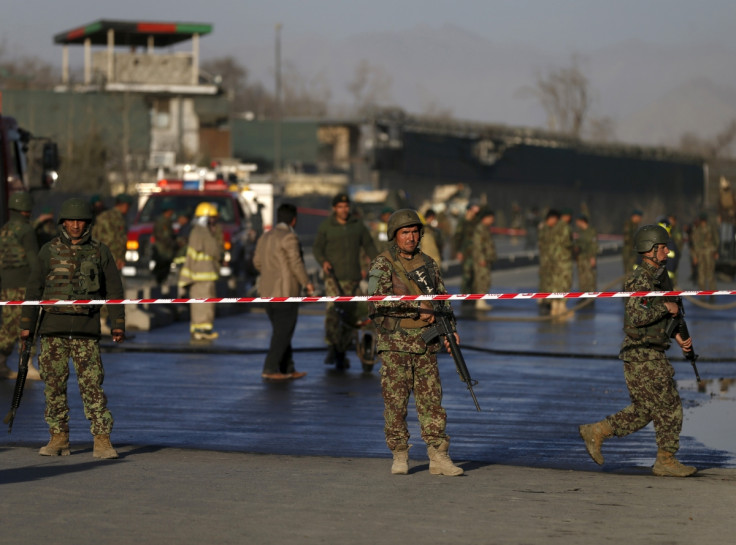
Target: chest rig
653	335
74	273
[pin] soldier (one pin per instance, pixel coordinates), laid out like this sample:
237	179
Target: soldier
649	375
560	264
409	363
380	238
627	252
484	255
74	266
45	226
432	224
586	254
98	207
18	254
463	242
164	242
705	242
545	254
110	228
337	247
201	270
429	242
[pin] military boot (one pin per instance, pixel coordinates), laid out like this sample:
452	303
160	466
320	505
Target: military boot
57	446
668	466
594	435
103	448
400	465
440	462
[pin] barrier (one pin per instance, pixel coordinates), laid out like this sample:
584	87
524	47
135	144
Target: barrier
378	298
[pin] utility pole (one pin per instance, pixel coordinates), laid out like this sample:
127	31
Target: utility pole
277	116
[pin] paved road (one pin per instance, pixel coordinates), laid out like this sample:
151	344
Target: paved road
210	452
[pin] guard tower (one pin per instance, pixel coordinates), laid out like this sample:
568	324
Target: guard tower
138	59
139	68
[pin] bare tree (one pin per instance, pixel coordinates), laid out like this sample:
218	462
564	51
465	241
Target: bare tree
370	87
600	129
304	97
25	72
565	97
300	96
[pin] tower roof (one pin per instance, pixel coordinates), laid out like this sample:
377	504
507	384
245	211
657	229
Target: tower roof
136	33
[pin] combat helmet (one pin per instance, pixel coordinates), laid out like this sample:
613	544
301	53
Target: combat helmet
75	209
649	235
21	201
403	218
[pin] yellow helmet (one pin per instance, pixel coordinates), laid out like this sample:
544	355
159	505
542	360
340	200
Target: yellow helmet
206	209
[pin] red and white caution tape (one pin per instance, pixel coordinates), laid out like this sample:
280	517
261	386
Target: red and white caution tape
377	298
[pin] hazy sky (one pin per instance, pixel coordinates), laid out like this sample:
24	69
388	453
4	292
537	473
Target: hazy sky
561	25
498	47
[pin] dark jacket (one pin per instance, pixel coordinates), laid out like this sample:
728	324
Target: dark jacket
340	245
86	322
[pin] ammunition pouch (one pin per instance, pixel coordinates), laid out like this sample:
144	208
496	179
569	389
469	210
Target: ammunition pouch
385	324
646	338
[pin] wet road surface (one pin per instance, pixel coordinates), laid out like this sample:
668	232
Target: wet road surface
537	382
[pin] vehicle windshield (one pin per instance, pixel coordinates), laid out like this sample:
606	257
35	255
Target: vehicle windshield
186	205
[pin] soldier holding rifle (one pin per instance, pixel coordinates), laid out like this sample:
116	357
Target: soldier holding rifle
649	375
73	266
410	361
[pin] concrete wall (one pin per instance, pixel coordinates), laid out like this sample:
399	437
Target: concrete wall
144	68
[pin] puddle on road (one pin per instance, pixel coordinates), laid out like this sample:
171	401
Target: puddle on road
712	420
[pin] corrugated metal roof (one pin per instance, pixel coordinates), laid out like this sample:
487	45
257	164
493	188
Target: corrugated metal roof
133	32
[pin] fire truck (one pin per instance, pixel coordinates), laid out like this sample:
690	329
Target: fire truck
26	163
241	224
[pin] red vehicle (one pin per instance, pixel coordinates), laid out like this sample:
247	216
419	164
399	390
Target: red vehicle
235	219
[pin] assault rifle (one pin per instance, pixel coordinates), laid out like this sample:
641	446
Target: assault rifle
677	325
20	380
443	328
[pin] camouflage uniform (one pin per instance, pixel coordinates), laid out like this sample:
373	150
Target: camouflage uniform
705	242
73	271
586	249
18	254
110	229
484	255
649	375
409	363
560	257
463	241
